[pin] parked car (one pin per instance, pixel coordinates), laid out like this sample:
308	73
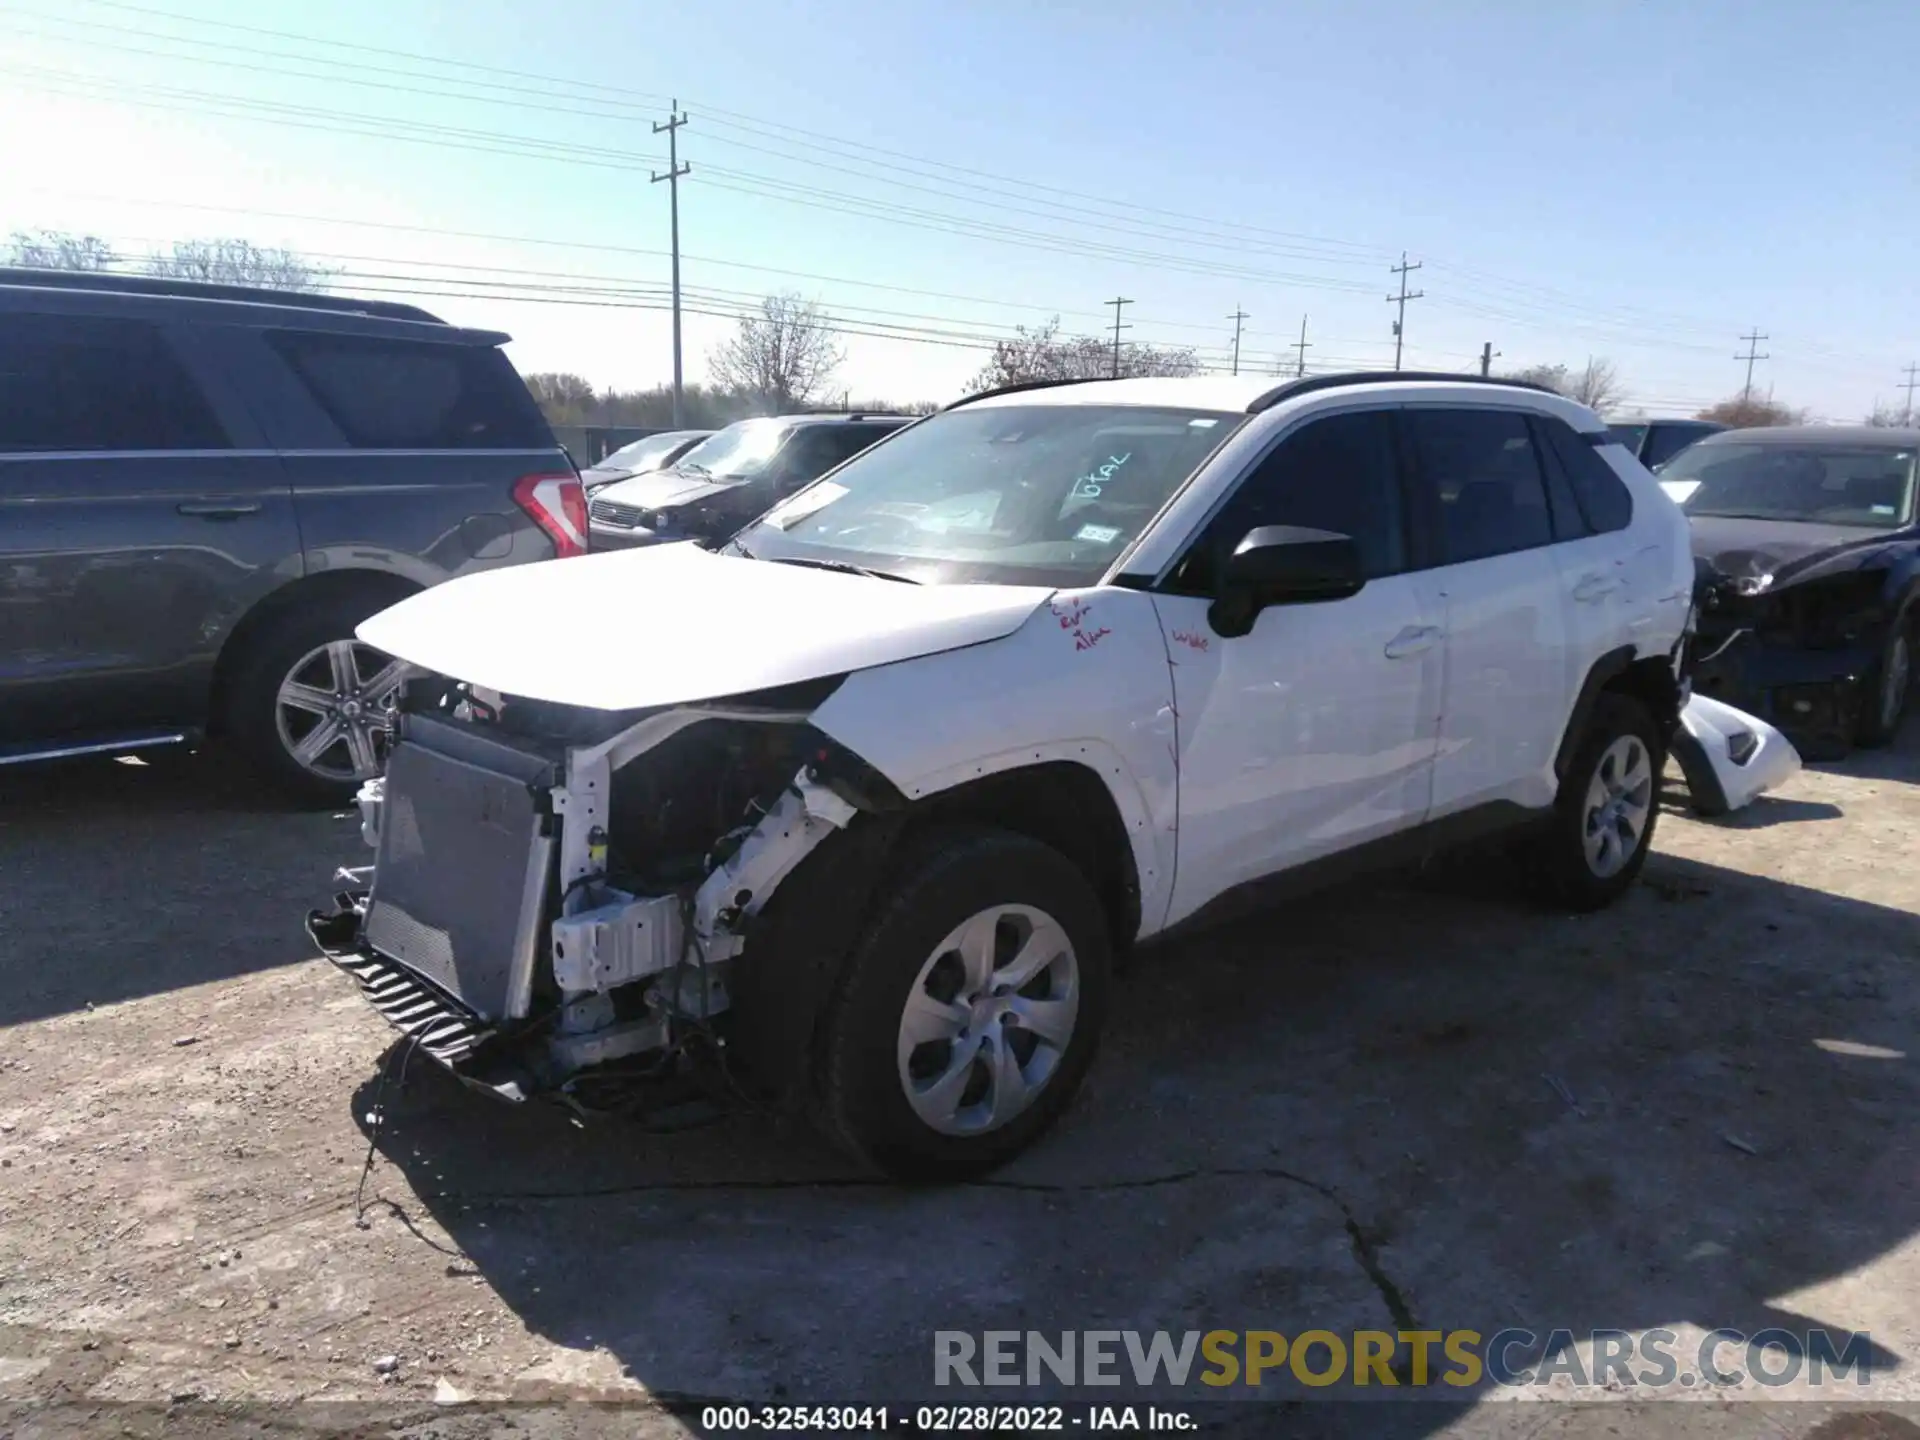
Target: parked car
1810	601
642	457
730	477
895	772
1654	442
204	489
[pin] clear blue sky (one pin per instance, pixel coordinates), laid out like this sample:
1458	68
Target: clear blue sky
1639	182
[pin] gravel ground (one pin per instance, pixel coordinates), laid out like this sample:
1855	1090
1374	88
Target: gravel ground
1418	1104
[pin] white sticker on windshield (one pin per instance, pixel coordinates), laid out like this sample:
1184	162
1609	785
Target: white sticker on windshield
1201	424
804	504
1884	510
1098	534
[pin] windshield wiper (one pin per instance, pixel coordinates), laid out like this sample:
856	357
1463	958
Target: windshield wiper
843	568
694	468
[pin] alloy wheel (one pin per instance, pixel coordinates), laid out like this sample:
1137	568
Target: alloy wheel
332	709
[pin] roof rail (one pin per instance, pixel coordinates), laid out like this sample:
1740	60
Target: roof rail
1312	383
204	290
1020	385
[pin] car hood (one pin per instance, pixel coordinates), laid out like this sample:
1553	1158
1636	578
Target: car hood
671	624
1781	548
603	475
659	489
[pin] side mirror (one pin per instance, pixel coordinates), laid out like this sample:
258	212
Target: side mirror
1283	565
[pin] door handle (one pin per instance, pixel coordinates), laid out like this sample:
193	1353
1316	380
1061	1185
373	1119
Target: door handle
1412	641
1594	588
218	509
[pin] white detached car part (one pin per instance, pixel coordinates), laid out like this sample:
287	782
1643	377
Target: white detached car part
873	795
1730	758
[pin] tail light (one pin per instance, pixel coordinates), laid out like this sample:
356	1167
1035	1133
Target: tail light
558	505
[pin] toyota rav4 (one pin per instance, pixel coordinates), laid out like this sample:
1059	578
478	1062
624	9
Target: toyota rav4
904	764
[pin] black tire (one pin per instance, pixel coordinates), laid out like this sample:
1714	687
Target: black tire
250	712
1880	711
949	876
1564	870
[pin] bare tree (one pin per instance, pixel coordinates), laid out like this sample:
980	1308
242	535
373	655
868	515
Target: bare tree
564	399
783	356
1043	353
238	262
1889	417
1752	412
58	250
1595	385
1554	377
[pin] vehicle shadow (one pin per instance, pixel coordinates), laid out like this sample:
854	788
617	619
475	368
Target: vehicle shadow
1391	1107
125	880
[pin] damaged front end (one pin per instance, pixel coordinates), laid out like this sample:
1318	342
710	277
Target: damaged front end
558	888
1797	649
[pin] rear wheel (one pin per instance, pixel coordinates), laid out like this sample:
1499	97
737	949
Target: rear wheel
1888	688
1603	819
308	703
969	1011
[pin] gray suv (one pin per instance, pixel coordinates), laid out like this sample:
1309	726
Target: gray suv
205	489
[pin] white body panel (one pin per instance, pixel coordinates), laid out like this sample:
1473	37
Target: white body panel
1773	762
712	625
1312	733
1084	680
1508	688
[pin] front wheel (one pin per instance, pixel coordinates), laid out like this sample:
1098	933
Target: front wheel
1888	688
1602	826
969	1011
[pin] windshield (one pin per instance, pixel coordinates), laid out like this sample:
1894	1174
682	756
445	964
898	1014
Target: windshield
644	454
1011	494
1842	485
741	450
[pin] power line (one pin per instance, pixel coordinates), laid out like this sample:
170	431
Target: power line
1403	269
1753	341
676	117
1238	317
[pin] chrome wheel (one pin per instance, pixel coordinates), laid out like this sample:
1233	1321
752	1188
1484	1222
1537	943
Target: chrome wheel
988	1019
332	709
1896	676
1619	805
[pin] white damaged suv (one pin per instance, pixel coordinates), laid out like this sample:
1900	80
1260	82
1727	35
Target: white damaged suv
867	800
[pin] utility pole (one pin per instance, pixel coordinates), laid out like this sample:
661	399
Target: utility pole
1753	354
1906	415
1116	303
676	117
1487	352
1300	347
1403	269
1237	317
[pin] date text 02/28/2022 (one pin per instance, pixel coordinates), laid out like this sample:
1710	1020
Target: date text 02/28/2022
940	1419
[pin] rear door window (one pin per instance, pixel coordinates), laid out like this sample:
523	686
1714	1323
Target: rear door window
1479	466
415	395
89	383
1603	496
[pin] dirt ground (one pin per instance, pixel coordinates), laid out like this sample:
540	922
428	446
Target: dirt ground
1420	1104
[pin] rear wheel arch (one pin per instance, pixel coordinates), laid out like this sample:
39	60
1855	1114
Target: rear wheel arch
379	587
1649	681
